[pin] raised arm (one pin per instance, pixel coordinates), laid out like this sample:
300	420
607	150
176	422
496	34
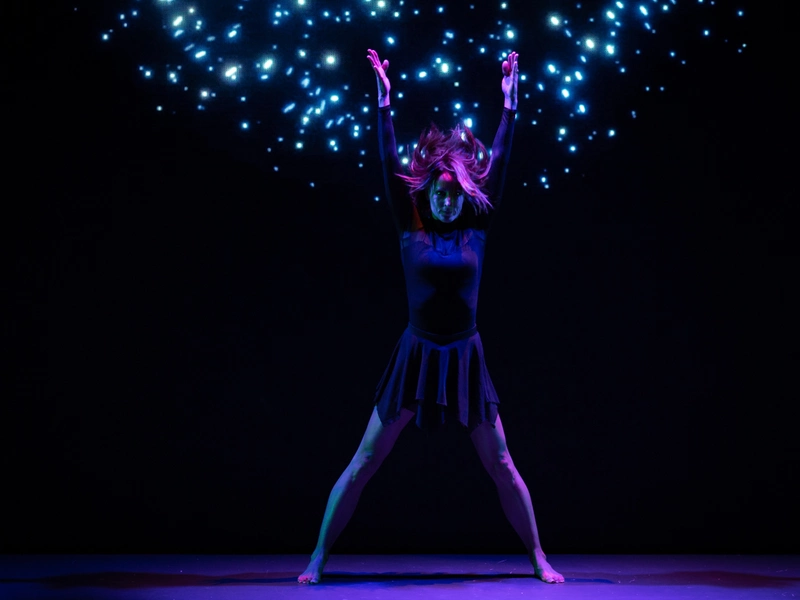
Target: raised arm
396	189
501	147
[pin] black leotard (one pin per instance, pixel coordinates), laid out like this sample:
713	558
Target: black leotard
442	262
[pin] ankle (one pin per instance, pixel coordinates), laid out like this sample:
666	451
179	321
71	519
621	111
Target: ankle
319	554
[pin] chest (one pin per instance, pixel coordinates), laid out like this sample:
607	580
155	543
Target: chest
455	255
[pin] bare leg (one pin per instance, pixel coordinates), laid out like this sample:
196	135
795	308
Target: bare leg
490	443
375	446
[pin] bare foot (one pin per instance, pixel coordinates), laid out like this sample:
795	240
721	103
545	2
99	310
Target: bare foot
313	572
543	569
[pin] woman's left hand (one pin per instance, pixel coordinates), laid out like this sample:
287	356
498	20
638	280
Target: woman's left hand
510	80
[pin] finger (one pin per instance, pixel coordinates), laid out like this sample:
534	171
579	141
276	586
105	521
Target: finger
506	68
385	65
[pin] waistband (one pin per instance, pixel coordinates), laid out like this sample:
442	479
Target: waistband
443	339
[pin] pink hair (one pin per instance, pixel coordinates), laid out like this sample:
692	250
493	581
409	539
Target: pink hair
458	153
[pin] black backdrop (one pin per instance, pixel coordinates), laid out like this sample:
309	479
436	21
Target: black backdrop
194	339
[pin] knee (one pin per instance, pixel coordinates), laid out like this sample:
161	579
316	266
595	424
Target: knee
362	466
502	470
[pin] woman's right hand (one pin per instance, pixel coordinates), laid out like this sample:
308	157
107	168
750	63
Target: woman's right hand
380	69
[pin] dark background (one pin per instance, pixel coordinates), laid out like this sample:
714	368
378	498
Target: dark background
194	339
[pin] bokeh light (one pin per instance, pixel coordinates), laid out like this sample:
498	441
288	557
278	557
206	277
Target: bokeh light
297	70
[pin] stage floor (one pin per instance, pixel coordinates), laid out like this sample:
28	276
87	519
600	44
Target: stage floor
350	577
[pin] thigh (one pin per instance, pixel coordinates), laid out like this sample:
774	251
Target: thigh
379	438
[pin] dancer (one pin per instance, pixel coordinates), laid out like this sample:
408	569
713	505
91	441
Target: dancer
441	210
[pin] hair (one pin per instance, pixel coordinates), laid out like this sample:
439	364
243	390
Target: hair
458	153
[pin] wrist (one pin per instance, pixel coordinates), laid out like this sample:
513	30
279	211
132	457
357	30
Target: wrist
383	101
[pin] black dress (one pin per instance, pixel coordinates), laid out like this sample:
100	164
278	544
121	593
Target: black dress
437	368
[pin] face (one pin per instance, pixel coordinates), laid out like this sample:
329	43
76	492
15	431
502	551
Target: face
447	198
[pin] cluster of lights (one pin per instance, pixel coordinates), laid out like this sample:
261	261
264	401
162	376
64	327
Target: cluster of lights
216	58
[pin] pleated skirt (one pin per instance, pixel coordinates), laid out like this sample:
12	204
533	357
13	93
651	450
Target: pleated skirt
441	378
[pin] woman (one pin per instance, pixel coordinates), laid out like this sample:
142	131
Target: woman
437	372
